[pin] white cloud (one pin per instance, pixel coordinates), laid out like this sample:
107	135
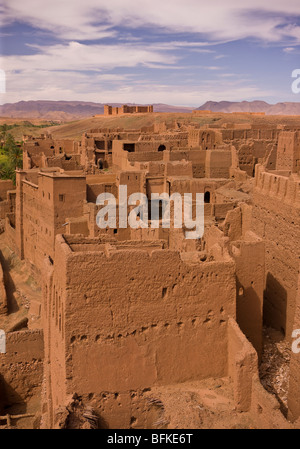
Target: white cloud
212	67
289	50
63	71
70	85
77	56
217	19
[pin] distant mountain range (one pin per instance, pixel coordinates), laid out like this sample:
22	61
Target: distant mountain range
287	108
67	110
75	110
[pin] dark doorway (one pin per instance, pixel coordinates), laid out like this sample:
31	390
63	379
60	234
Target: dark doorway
130	147
207	197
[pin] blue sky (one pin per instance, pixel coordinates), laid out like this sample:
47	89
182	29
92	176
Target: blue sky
150	51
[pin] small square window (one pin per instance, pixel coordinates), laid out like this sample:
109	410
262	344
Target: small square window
61	197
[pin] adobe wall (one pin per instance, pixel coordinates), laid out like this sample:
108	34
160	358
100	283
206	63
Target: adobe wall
271	158
93	190
242	366
60	161
90	213
246	134
288	151
249	257
134	180
217	164
249	393
209	164
125	109
77	226
4	209
196	186
207	139
280	228
251	152
43	204
294	381
147	314
7	200
197	157
48	146
5	185
248	252
10	233
3	297
21	368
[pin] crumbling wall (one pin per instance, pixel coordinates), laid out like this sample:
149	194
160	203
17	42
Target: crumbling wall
294	382
143	316
218	164
6	197
242	366
21	367
5	185
288	151
249	257
3	297
10	233
249	394
276	219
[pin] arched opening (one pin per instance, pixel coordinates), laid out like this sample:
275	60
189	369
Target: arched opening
161	148
207	197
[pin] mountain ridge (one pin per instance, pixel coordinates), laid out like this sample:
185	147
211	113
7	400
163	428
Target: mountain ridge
282	108
68	110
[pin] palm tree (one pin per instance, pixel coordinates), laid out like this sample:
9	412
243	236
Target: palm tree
14	152
7	171
4	128
14	155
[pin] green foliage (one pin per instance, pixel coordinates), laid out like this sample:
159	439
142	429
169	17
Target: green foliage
7	171
11	158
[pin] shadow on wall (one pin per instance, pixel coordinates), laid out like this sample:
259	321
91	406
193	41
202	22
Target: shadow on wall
10	398
275	304
9	285
249	315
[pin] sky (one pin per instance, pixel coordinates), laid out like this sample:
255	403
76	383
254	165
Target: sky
149	51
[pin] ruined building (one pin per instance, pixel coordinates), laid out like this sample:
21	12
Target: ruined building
125	109
131	325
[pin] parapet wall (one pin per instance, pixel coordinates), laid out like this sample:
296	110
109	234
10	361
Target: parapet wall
276	219
281	188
